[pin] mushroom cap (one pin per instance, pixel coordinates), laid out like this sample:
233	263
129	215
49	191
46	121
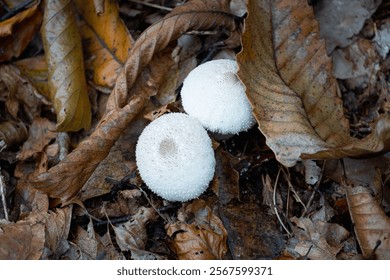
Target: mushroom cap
175	157
213	94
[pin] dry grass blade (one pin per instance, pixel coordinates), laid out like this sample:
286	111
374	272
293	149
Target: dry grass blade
372	226
64	56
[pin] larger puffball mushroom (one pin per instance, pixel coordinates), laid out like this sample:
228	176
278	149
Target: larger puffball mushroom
214	95
175	157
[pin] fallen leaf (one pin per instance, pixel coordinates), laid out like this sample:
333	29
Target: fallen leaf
107	250
371	224
64	57
23	240
339	24
253	232
106	40
319	240
35	70
132	236
17	31
13	133
41	132
86	243
203	237
287	74
18	92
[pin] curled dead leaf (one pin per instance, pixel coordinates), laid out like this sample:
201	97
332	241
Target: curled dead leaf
12	133
371	224
201	238
287	74
64	56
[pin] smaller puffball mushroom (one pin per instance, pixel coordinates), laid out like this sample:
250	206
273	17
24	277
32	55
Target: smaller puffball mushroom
175	157
214	95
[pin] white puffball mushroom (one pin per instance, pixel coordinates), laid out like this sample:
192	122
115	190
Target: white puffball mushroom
213	93
175	157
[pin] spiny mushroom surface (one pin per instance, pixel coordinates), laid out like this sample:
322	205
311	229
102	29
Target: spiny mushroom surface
175	157
213	94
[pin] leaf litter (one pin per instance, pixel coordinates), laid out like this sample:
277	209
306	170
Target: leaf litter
270	198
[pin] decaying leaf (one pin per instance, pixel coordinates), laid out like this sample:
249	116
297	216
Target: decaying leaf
12	133
64	57
23	240
287	73
199	234
86	242
253	232
41	132
18	92
131	236
106	40
319	240
17	31
37	236
371	224
35	70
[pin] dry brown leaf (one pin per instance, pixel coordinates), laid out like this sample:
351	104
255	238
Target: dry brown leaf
17	92
64	180
35	70
253	232
319	240
24	240
131	235
107	250
86	242
371	224
41	132
17	31
13	133
64	57
106	40
203	237
112	167
287	74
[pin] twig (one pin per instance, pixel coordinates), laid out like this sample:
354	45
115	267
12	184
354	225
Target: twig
151	5
3	199
314	191
291	187
275	208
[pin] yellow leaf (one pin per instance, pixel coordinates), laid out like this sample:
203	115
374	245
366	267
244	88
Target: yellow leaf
106	40
64	56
